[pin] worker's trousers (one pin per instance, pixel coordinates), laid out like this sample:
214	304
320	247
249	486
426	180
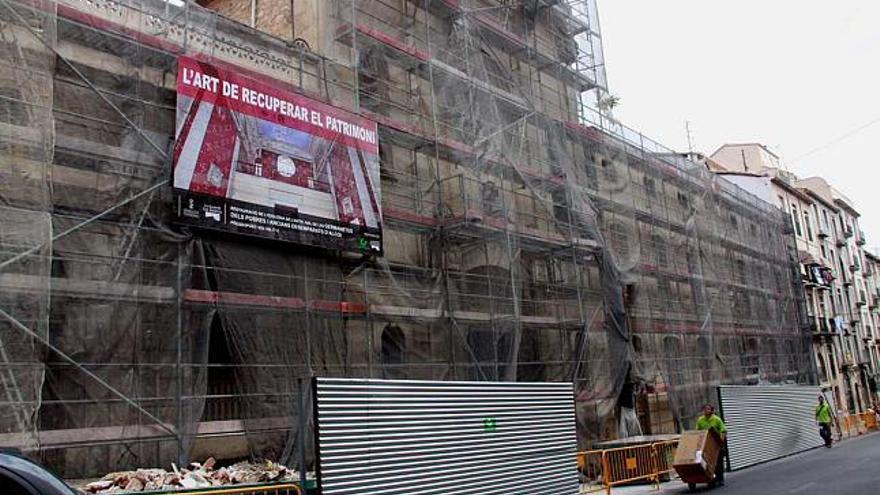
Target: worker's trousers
721	465
825	433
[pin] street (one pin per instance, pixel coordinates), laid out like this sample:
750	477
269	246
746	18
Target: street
849	468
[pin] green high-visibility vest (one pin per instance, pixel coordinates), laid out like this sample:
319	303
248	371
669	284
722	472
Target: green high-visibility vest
712	422
823	413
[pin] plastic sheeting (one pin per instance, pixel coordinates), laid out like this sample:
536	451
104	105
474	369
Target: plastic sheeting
527	237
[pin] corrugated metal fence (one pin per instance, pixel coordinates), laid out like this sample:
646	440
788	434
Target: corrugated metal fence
766	422
414	437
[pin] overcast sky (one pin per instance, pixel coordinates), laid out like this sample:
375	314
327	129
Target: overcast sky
796	75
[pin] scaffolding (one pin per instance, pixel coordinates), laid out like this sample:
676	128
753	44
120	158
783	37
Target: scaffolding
527	236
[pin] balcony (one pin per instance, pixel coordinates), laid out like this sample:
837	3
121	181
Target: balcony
848	231
855	267
829	323
841	242
822	233
820	327
860	239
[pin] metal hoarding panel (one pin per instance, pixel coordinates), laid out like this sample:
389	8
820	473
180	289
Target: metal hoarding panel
766	422
419	437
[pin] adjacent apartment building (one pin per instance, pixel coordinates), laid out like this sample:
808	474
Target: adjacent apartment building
838	272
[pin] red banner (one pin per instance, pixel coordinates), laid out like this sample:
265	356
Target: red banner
242	94
257	159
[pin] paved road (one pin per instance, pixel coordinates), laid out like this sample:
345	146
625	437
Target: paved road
849	468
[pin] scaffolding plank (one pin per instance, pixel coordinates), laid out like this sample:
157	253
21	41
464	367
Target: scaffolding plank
80	288
241	299
49	439
392	213
344	32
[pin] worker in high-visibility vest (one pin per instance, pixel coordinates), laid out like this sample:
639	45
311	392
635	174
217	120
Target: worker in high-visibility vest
823	419
710	421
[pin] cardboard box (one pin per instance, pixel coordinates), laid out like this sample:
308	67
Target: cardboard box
697	455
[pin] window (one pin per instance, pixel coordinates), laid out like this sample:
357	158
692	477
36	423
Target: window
609	169
683	200
660	250
663	291
620	240
637	344
650	186
373	79
672	347
795	221
741	271
393	345
807	225
12	108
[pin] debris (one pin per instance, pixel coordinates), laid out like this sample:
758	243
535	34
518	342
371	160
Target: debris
197	475
192	479
135	485
98	486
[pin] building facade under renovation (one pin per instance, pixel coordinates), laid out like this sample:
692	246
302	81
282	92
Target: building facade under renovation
203	206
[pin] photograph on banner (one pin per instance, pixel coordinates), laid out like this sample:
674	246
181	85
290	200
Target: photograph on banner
254	158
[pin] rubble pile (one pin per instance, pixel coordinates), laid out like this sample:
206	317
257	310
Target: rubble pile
197	475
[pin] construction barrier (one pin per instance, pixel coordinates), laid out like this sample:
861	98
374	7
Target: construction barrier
591	466
605	469
665	457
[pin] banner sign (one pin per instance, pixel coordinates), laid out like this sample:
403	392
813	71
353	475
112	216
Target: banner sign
260	160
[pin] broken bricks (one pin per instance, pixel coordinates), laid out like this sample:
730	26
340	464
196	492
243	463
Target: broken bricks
196	475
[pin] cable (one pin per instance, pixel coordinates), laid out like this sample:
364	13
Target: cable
837	140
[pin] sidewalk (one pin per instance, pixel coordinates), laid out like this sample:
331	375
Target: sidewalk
674	486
